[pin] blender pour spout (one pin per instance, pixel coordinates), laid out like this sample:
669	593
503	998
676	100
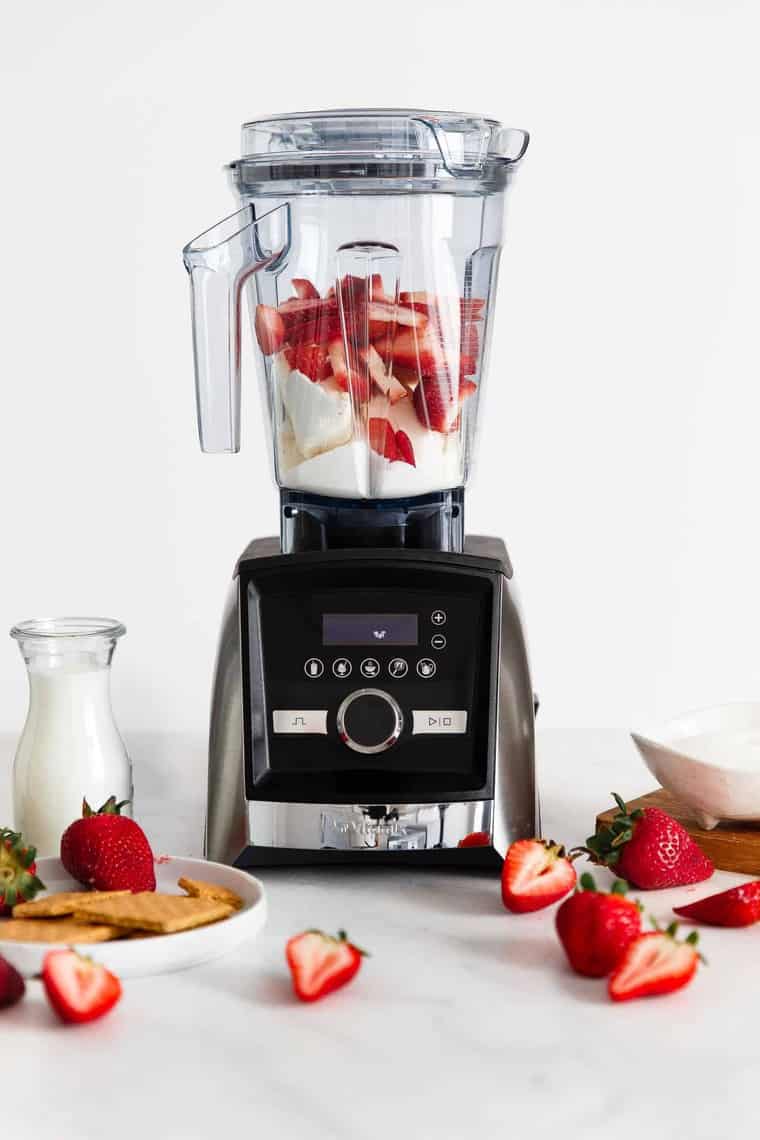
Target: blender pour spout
220	261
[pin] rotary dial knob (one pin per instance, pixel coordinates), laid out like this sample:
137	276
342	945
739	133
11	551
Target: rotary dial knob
369	721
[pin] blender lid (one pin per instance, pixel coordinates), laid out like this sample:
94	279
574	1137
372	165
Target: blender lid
465	144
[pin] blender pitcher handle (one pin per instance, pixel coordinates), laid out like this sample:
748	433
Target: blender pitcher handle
220	261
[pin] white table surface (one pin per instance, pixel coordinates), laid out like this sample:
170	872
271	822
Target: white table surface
464	1022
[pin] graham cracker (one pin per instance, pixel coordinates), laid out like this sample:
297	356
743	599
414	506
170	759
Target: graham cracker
149	910
53	906
198	889
57	930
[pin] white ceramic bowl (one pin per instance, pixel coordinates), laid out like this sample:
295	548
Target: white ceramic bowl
135	958
709	760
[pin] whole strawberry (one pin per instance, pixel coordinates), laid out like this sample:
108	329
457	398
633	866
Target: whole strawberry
595	928
108	851
649	849
18	881
12	986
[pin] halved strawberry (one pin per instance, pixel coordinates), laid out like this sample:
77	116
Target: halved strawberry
404	449
18	879
382	437
320	964
654	963
436	402
78	988
312	360
270	329
304	289
536	873
738	906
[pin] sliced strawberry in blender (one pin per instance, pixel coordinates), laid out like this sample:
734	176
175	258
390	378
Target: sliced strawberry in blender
436	404
355	379
382	437
270	329
310	321
399	315
304	289
312	360
380	375
470	341
418	349
404	448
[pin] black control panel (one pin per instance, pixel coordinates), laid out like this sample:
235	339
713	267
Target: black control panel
368	678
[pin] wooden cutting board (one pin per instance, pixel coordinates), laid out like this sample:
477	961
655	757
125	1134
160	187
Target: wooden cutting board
731	846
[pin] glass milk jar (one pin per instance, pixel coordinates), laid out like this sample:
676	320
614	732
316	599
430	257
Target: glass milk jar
70	748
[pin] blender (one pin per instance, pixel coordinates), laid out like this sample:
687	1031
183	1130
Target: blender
372	698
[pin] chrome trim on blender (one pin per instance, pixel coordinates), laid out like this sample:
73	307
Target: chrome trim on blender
365	827
369	749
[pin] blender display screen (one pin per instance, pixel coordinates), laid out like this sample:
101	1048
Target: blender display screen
370	629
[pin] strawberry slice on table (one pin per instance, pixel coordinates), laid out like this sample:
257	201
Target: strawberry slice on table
596	928
320	964
12	985
304	289
18	878
738	906
649	849
108	851
313	360
270	329
654	963
536	873
77	988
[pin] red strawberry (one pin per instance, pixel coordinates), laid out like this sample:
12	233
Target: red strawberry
382	437
596	929
270	329
420	349
18	881
108	851
312	360
536	873
12	985
388	313
654	963
304	289
475	839
78	988
404	449
649	849
739	906
436	403
356	379
310	321
320	964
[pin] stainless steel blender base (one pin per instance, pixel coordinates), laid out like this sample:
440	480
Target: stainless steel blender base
259	832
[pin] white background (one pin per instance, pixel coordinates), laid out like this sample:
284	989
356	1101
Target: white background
618	454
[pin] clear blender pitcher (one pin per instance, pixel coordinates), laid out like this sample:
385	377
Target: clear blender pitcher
367	248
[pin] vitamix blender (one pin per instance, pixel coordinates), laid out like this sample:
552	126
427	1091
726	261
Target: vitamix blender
372	699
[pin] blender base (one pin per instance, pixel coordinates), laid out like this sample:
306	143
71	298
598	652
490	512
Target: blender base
302	785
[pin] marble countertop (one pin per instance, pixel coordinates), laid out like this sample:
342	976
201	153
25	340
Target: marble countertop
464	1021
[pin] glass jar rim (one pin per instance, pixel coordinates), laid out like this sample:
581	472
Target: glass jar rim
68	627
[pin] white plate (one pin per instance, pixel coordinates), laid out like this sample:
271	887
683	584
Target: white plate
137	957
